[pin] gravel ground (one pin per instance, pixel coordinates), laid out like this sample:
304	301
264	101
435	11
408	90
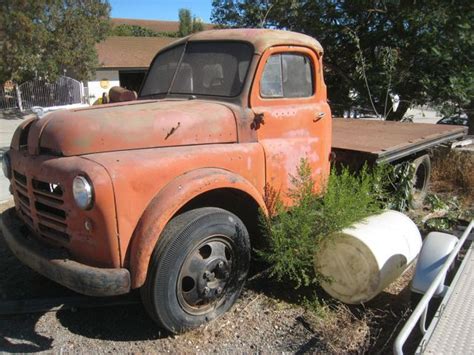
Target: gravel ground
265	319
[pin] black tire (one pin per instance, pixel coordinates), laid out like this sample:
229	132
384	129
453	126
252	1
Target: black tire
197	269
421	180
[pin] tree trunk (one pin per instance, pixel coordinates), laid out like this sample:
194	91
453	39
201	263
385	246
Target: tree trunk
401	110
469	110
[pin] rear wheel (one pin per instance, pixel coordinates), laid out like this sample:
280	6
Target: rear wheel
420	180
197	270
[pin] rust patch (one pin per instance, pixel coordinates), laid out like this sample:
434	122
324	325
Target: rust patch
139	175
172	131
168	202
149	125
40	209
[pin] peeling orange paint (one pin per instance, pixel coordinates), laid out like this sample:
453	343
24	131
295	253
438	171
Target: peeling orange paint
147	159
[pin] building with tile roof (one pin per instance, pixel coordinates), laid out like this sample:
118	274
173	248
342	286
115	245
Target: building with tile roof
123	61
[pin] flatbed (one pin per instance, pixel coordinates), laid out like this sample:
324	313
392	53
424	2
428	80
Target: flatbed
387	141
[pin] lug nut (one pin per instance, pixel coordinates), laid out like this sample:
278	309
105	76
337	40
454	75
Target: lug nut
219	291
207	275
220	265
206	290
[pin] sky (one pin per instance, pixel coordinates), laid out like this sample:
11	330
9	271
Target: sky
160	9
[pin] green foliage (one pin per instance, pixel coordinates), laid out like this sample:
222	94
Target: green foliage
295	234
133	31
435	203
197	24
421	50
400	183
139	31
350	197
185	22
188	24
45	37
449	210
315	305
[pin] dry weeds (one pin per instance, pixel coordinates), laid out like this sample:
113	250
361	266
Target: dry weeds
453	172
340	330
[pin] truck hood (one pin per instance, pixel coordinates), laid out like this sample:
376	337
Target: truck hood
136	125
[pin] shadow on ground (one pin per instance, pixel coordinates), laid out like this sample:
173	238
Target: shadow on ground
27	339
12	114
122	323
130	323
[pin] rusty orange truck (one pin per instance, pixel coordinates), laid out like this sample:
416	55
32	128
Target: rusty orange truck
162	193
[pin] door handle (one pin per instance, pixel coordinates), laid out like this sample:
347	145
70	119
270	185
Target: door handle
318	116
258	120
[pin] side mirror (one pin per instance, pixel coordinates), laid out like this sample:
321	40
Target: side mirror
119	94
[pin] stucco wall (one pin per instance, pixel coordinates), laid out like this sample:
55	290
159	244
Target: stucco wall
108	78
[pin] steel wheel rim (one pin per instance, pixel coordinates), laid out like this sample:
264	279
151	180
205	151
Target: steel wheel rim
206	275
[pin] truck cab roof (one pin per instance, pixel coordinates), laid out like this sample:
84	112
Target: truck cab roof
260	39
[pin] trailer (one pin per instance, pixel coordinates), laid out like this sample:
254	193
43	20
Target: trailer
359	142
451	329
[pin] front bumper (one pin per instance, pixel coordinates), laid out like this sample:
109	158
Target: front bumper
55	265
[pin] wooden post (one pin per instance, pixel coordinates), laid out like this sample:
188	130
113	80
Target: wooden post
18	97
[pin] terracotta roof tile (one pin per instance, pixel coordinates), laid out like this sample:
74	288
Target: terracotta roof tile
129	52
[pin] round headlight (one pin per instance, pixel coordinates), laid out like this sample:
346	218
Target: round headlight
6	166
82	191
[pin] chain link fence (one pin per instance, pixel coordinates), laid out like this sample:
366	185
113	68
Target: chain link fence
64	91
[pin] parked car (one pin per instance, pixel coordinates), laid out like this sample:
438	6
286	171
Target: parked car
457	120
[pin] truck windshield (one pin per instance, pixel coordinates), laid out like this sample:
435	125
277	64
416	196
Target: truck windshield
205	68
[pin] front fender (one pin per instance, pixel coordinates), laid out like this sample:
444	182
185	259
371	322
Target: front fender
168	201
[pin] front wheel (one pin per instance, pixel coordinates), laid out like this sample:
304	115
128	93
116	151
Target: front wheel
197	269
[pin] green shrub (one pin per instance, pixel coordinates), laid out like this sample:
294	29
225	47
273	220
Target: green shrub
445	212
295	233
139	31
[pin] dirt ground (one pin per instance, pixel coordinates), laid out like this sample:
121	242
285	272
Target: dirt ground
265	319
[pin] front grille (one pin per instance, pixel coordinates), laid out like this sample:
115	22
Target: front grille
20	179
43	208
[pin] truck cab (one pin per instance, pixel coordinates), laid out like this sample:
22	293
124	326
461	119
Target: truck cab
163	193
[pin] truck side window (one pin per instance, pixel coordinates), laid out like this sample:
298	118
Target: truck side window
271	83
287	75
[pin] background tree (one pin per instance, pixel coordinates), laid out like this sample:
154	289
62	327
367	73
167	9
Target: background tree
420	50
42	38
197	24
188	24
185	22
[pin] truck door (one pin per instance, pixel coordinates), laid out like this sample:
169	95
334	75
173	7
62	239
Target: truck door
292	116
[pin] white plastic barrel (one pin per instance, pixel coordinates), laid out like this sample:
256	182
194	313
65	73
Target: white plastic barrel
360	261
